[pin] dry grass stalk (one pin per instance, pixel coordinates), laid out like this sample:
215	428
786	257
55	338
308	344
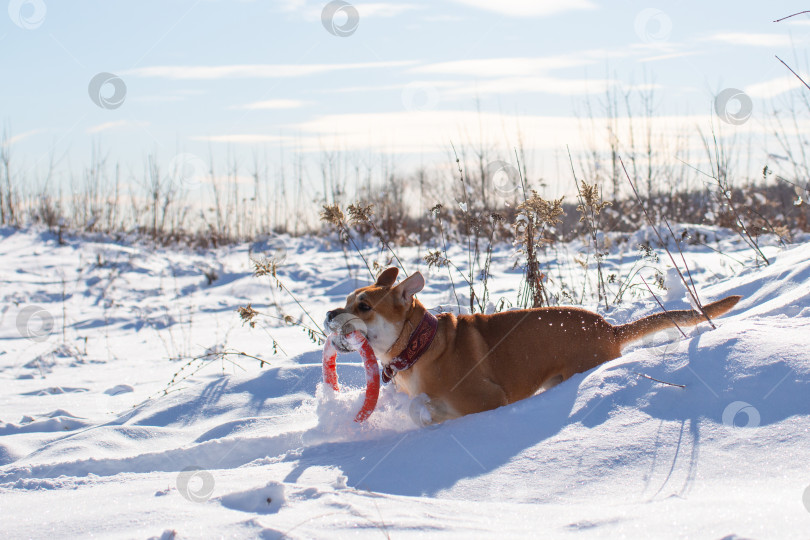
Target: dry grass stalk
360	214
333	215
535	217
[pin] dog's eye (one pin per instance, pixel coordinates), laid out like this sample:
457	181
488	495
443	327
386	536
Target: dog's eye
364	307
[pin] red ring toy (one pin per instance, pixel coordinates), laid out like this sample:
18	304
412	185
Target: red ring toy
359	343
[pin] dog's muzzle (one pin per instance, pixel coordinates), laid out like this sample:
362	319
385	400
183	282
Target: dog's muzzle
342	323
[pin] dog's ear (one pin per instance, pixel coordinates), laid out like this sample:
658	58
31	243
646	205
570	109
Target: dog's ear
388	277
411	286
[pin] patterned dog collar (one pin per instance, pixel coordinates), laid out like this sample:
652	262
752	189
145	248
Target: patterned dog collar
418	343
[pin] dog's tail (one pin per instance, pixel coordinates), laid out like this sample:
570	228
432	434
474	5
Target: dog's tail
625	333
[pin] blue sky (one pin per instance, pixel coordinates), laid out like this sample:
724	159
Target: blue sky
218	77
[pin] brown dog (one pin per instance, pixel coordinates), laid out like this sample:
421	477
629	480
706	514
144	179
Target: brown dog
473	363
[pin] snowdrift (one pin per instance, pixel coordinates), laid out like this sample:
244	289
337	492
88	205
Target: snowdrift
271	453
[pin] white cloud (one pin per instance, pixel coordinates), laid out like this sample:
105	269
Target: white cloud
256	71
383	9
668	56
115	125
524	66
440	18
773	87
17	138
432	130
291	5
240	138
312	10
541	85
528	8
157	99
273	104
445	89
751	40
503	67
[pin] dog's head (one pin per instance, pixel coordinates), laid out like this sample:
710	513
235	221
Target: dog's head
378	311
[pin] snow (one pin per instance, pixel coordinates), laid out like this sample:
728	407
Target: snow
92	333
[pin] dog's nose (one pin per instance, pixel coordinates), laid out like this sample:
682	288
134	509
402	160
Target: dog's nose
330	315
